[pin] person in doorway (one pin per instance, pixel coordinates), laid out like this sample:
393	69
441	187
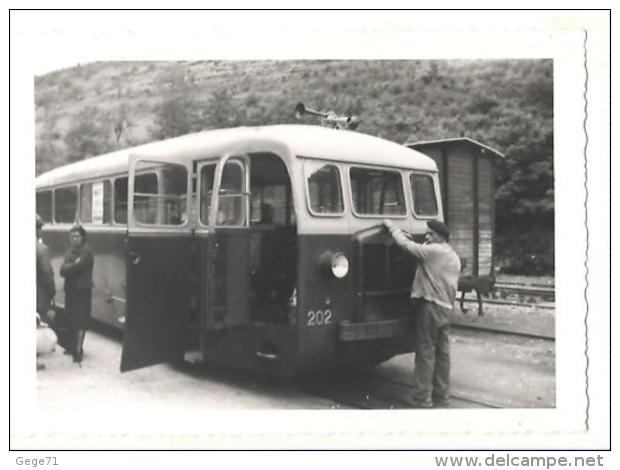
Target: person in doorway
46	288
433	294
267	214
77	269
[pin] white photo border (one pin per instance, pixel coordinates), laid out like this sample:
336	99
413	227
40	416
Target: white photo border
44	41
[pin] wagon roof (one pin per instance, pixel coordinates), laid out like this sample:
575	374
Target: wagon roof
302	140
463	140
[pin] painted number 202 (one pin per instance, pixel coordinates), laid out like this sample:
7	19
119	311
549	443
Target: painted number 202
319	317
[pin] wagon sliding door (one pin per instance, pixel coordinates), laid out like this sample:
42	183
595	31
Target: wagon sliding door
159	255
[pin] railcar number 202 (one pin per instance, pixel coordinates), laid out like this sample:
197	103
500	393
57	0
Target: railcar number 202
319	317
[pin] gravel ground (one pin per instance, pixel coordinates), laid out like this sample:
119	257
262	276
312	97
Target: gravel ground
530	320
500	370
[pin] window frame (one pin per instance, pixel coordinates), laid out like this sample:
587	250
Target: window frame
402	172
237	159
114	179
159	181
51	191
245	193
338	166
126	176
111	209
433	181
77	203
201	165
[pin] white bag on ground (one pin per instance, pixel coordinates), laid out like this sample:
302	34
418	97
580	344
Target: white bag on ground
46	339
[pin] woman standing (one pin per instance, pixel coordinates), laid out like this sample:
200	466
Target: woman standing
77	269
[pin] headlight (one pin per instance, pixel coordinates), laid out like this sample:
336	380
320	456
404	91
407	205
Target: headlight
339	265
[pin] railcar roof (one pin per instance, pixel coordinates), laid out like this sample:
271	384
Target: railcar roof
454	140
302	140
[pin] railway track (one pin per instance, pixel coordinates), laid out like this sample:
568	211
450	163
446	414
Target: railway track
503	331
526	290
363	390
527	284
511	303
520	295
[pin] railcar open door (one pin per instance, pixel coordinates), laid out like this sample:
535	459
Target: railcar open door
159	260
228	289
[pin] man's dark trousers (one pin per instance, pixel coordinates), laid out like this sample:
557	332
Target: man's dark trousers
431	377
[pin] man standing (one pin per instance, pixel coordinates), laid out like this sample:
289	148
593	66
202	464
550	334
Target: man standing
433	293
46	288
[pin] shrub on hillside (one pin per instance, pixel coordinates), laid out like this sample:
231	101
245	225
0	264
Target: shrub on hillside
89	134
525	252
173	118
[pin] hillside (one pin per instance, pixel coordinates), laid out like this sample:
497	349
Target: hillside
99	107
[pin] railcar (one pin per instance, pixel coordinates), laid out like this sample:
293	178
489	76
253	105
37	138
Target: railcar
256	248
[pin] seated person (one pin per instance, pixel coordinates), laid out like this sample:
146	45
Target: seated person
267	215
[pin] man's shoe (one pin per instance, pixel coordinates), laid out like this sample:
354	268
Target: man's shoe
422	404
78	356
443	403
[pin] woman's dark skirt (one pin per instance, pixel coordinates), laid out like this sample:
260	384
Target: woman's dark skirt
78	308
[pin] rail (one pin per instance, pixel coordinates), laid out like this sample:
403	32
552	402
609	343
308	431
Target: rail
503	331
526	290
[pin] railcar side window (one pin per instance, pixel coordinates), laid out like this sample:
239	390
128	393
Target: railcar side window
95	200
120	200
377	192
145	198
44	205
324	190
423	192
65	208
162	202
173	195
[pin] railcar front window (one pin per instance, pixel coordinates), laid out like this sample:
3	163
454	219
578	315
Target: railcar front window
324	189
44	205
377	192
423	192
65	208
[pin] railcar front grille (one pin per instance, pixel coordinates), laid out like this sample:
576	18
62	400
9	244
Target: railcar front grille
383	277
384	268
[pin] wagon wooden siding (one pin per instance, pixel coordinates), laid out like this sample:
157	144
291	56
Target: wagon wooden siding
466	178
486	213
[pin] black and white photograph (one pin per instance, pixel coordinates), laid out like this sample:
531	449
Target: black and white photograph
343	241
